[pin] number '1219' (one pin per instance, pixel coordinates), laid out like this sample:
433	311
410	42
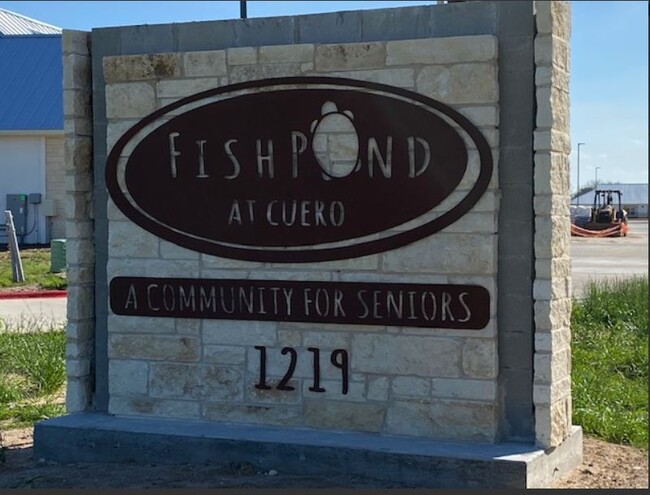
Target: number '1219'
338	358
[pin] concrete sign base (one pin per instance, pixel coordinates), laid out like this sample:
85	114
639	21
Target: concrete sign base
404	461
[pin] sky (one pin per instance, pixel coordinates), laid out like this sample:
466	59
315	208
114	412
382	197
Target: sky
609	65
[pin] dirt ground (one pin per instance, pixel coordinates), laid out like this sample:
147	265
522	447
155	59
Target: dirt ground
605	465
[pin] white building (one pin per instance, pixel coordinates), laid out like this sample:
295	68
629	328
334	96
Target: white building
31	128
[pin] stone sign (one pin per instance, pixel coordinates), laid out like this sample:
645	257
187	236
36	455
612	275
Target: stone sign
323	244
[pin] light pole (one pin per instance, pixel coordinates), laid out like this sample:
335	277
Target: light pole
597	177
579	144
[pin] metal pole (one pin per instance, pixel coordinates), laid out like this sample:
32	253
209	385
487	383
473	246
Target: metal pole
17	273
597	177
242	9
579	144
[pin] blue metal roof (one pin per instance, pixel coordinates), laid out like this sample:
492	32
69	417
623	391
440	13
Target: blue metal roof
31	83
632	194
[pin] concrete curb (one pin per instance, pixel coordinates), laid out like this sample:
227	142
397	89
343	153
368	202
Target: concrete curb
33	294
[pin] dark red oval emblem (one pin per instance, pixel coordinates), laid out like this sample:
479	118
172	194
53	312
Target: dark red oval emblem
298	169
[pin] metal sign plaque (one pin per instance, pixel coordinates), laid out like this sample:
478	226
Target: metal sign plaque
297	169
412	305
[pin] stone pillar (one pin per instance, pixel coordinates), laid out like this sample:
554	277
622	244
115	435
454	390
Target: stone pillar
552	286
80	251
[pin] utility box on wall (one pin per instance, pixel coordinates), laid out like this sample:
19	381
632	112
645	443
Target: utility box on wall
360	262
17	204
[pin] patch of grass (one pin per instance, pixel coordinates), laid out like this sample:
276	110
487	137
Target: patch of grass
610	361
36	266
32	375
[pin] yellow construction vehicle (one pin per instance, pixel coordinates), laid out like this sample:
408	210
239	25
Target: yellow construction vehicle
608	218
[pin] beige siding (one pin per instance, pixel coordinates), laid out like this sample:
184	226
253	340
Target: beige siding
55	184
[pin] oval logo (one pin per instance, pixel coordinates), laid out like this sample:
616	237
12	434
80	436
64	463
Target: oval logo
299	169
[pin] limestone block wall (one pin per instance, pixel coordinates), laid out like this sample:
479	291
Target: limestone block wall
552	286
80	251
55	183
436	383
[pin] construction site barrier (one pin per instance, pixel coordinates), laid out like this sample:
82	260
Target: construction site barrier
615	231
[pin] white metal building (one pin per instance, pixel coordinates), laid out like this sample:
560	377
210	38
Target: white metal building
31	128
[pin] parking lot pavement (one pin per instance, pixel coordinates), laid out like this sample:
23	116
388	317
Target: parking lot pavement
33	313
610	257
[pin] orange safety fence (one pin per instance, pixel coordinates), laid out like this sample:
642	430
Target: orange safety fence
615	231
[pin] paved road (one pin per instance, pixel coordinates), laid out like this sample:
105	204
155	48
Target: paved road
591	259
33	313
608	258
